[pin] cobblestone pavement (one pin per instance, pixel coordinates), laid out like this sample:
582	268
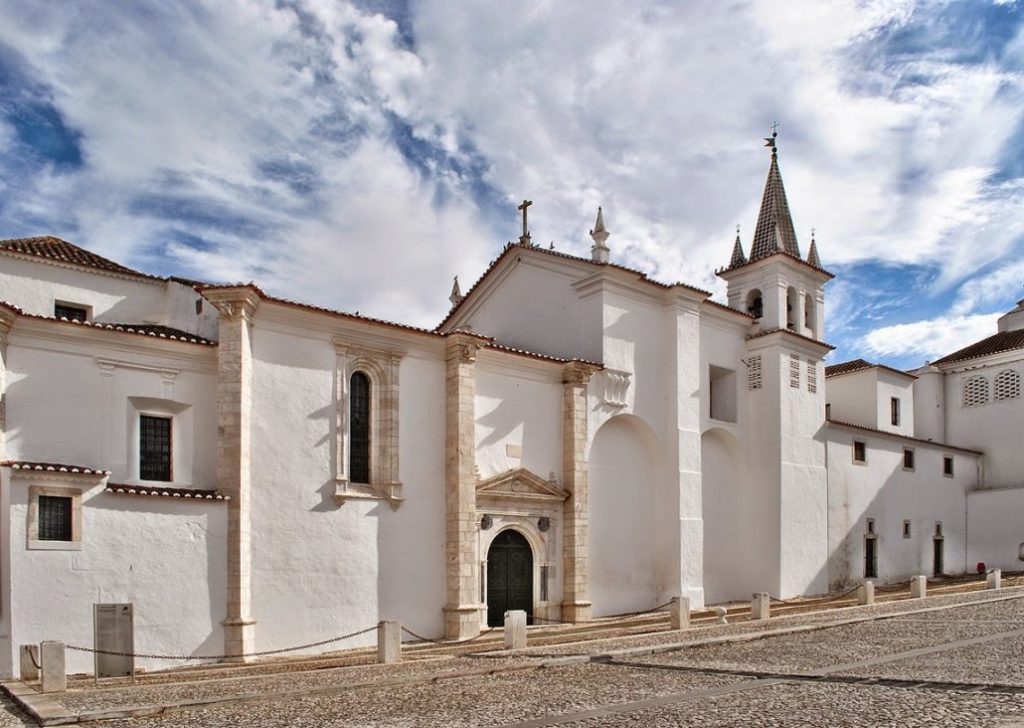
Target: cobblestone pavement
710	685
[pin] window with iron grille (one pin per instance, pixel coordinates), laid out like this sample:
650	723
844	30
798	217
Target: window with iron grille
1007	384
794	371
359	428
69	312
754	373
812	376
54	518
154	448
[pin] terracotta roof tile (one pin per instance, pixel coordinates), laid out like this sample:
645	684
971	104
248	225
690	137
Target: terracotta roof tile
186	493
898	436
856	365
152	330
995	344
53	468
53	248
787	332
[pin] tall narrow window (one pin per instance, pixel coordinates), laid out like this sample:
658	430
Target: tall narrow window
154	448
947	466
894	406
359	452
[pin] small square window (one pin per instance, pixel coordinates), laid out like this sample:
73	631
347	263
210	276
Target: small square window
906	528
860	452
947	466
894	406
55	518
908	458
70	311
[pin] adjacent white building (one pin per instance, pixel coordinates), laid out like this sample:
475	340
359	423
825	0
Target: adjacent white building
574	439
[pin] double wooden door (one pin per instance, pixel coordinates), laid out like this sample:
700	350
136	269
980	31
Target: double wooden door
509	577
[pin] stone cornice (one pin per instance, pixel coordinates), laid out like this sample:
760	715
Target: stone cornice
232	302
578	373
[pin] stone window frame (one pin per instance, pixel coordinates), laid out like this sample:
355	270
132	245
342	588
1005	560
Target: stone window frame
381	367
33	542
864	452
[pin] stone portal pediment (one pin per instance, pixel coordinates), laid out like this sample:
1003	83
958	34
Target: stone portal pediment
520	485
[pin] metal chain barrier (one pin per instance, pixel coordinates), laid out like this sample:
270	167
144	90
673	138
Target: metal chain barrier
262	653
32	656
447	643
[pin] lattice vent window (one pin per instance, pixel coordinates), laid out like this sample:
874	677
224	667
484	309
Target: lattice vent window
1007	384
812	376
754	373
975	391
794	371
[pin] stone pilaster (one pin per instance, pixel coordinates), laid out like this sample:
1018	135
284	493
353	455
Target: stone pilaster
462	565
6	323
575	572
234	446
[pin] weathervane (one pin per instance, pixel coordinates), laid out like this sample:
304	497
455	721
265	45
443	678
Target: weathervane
525	238
770	141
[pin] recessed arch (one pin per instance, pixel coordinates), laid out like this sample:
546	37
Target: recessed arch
360	399
510	567
755	303
792	308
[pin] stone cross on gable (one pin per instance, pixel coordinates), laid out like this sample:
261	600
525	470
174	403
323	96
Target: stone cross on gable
525	238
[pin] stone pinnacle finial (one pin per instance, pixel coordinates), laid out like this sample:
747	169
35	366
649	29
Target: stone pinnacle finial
738	258
812	254
456	295
599	252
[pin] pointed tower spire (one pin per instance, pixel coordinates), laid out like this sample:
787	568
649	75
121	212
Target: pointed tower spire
774	231
812	254
456	295
738	258
599	252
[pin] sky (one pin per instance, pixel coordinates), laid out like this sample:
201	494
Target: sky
359	156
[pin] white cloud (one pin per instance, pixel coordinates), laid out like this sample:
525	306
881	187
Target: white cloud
653	110
930	339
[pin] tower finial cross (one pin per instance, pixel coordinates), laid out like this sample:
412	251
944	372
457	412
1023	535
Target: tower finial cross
525	238
775	128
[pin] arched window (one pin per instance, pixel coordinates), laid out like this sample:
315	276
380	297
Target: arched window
809	317
975	391
792	314
755	304
1007	384
359	429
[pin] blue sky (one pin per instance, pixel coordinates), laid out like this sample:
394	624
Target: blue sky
361	155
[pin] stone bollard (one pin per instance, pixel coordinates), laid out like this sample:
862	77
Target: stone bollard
918	587
720	617
680	611
29	662
760	606
54	674
515	629
994	579
866	593
389	642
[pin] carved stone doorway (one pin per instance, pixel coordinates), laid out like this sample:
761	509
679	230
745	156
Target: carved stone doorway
509	577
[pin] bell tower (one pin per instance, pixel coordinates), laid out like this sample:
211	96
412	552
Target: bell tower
776	285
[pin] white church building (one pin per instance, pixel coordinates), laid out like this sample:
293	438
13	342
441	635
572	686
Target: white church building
575	439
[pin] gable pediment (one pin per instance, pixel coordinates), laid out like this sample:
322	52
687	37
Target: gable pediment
520	485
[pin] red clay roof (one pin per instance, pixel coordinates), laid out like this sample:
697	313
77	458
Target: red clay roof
766	332
898	436
188	493
558	254
52	467
995	344
856	365
53	248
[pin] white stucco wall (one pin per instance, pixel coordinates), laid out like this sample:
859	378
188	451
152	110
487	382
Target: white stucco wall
930	405
321	569
995	529
881	489
853	397
893	386
993	427
518	416
166	556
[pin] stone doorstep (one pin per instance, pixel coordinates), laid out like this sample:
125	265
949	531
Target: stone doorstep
33	702
40	706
